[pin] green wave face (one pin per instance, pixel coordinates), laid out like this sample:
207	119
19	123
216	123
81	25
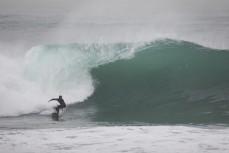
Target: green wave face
166	82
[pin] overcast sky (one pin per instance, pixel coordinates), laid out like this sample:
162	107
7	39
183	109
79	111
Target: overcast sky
115	4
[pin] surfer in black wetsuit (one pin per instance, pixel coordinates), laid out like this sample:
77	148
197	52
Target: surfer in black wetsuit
62	104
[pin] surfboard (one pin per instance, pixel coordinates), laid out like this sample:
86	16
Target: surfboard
55	116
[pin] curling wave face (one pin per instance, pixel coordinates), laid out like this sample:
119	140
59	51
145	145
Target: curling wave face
161	81
48	70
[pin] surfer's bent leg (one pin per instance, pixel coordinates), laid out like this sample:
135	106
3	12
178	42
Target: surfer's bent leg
59	107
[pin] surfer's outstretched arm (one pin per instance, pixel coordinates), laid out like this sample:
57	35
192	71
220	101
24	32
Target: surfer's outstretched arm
52	99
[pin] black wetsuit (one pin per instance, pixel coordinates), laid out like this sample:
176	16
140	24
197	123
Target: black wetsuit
62	104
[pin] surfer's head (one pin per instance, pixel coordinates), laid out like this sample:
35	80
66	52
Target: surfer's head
60	97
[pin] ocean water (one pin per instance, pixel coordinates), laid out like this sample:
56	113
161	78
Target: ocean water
137	76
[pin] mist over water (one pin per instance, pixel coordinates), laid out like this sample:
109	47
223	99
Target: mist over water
49	48
35	23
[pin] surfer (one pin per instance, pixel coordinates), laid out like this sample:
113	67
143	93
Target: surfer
62	104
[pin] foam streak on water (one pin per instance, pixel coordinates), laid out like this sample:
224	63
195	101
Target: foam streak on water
130	139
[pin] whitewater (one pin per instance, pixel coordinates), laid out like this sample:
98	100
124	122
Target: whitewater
137	76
